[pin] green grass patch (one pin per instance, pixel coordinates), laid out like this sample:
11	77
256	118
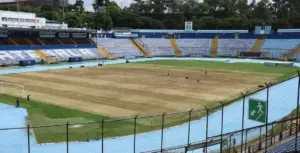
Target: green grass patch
41	114
284	71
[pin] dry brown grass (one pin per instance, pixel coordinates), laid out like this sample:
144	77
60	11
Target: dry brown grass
123	90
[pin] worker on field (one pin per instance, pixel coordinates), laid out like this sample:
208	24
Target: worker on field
17	103
186	77
168	74
205	73
198	81
28	97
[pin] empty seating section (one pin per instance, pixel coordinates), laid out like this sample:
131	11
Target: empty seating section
194	47
5	41
120	48
13	57
288	146
66	41
229	47
50	41
277	48
82	41
157	46
34	41
21	41
65	54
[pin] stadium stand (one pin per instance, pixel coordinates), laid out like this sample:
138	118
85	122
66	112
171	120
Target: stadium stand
82	41
65	54
50	41
67	41
120	48
14	56
157	47
194	47
288	146
5	41
278	48
229	47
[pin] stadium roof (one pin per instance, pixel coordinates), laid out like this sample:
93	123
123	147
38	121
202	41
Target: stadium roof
47	30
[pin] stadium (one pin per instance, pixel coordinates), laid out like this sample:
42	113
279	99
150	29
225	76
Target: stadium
124	90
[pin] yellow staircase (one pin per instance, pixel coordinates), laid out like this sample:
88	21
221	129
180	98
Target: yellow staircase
73	41
39	40
214	47
91	41
28	41
258	43
139	47
105	52
43	56
175	48
14	42
59	41
293	53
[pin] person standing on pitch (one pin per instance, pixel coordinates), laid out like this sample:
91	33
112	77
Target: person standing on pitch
17	103
205	73
28	97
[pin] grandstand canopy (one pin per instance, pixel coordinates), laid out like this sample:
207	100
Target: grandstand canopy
48	30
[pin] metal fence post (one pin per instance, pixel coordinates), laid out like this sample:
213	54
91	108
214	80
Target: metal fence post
134	133
272	133
246	141
267	111
222	117
28	138
230	142
206	137
281	134
102	136
67	129
297	115
189	128
259	147
162	132
243	114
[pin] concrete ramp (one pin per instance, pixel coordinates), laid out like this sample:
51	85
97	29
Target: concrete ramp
139	47
43	56
175	48
105	52
256	46
214	47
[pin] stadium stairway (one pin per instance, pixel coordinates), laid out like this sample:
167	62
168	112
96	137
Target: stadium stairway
14	42
175	48
214	47
140	48
91	41
256	46
43	56
59	41
105	52
39	40
26	39
73	41
293	53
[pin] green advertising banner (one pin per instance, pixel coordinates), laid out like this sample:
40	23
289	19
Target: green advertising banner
257	110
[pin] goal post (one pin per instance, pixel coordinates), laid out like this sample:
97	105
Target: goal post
7	87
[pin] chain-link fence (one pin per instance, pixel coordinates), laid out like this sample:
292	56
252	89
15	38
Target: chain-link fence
203	130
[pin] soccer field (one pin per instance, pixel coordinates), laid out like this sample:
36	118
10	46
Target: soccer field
144	89
115	91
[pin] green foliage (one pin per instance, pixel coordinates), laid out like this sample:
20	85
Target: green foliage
171	14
